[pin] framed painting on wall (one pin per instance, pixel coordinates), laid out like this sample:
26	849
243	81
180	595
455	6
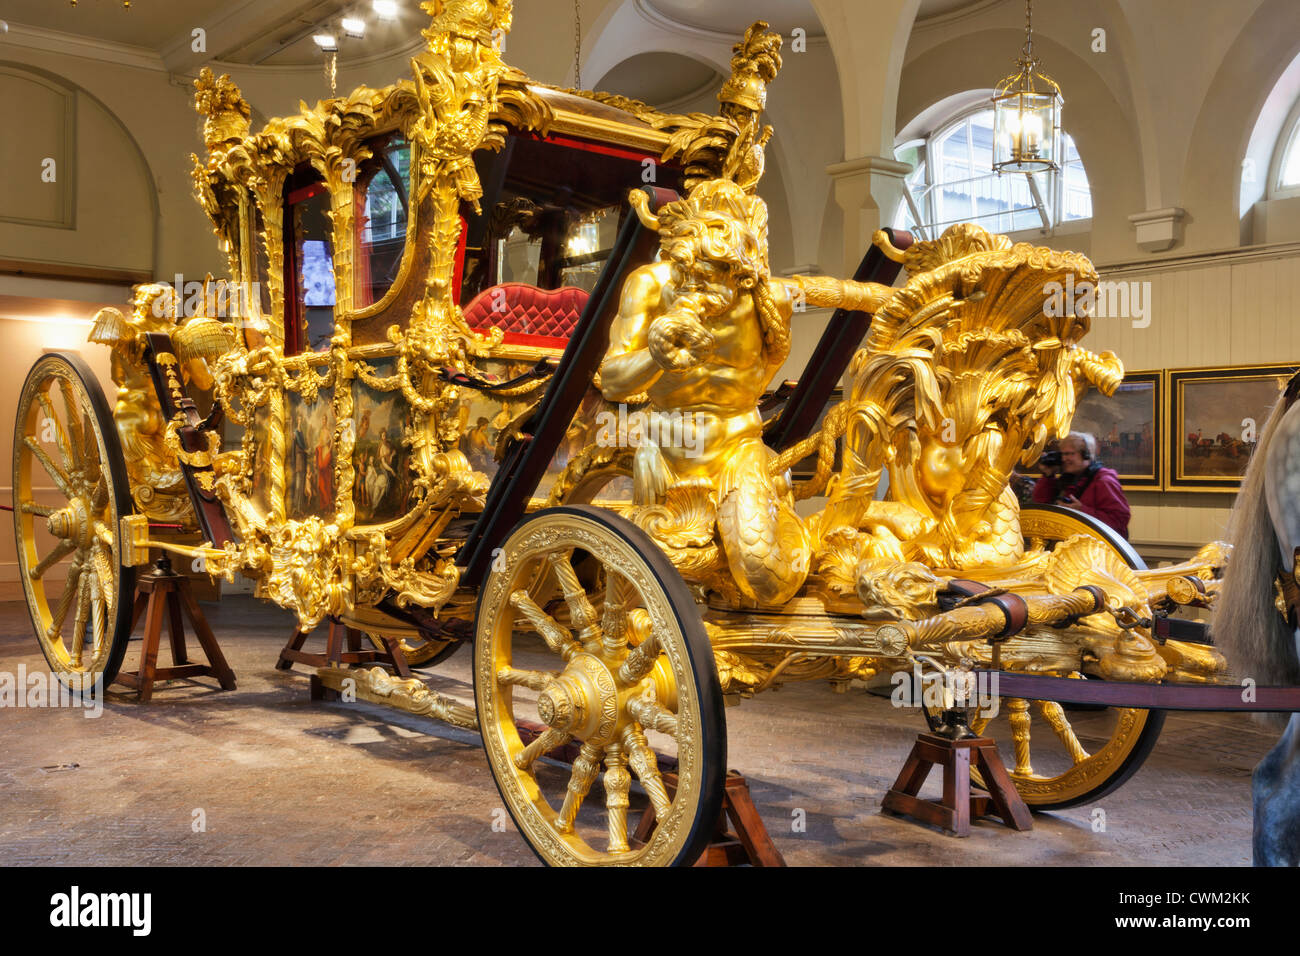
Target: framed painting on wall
1127	428
1214	416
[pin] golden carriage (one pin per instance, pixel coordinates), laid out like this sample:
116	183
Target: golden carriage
495	356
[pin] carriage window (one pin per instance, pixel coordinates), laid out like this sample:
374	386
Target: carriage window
518	256
309	268
383	187
556	246
551	210
589	243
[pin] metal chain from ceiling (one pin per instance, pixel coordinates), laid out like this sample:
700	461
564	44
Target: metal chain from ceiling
577	44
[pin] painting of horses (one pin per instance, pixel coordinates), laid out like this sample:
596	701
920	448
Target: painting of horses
1215	416
1127	428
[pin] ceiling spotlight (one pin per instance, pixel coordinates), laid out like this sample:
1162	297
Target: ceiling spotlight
386	9
354	27
4	27
326	42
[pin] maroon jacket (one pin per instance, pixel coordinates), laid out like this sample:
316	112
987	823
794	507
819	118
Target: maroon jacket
1103	498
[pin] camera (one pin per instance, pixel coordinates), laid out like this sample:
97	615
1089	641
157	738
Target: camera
1052	459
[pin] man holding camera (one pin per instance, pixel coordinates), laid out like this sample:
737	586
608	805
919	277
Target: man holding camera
1075	479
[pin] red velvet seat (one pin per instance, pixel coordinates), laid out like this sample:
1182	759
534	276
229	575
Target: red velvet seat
526	314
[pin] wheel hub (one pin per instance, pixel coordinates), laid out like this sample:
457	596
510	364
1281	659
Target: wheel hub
582	701
71	523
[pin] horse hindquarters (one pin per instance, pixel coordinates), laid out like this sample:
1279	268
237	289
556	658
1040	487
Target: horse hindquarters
1275	787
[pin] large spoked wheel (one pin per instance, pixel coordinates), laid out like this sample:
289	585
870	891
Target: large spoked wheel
1061	756
618	685
70	493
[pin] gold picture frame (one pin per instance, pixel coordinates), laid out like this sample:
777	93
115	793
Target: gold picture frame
1214	416
1129	428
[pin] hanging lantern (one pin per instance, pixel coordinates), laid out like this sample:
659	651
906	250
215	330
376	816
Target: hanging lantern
1027	115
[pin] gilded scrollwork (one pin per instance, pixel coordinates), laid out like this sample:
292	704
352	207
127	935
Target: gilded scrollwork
157	484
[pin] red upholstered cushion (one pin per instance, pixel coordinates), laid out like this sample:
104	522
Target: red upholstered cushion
519	308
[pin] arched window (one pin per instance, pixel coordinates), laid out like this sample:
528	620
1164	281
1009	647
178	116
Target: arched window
952	181
1289	169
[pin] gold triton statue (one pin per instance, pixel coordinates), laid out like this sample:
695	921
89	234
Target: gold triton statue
963	374
702	333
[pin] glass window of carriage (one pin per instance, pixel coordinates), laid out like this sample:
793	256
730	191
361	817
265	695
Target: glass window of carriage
551	211
952	181
308	264
382	211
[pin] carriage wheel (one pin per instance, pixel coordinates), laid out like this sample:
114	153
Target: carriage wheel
70	493
1060	756
630	688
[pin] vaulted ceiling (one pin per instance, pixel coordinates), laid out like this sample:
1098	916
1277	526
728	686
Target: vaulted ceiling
279	32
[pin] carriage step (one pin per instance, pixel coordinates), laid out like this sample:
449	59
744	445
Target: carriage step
954	812
161	590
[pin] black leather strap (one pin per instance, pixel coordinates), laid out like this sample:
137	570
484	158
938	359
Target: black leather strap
543	369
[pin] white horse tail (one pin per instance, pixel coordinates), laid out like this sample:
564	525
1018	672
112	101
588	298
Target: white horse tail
1247	627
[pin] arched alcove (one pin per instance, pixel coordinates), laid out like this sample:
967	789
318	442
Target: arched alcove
92	202
1259	60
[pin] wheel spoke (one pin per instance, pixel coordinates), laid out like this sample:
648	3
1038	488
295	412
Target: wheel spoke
642	659
60	436
79	622
102	563
32	508
76	427
89	450
98	618
652	715
100	497
619	597
55	473
1054	714
643	763
581	614
618	782
61	551
71	589
537	680
557	637
585	768
544	744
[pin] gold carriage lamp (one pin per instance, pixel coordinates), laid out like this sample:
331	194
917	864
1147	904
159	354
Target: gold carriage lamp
1027	114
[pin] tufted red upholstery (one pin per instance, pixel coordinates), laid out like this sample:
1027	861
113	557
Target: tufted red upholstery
525	312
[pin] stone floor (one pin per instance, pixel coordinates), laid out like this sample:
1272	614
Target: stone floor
264	775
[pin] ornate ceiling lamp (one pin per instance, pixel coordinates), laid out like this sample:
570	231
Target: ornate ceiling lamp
1027	114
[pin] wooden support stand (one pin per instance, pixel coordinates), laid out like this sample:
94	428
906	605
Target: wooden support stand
292	652
162	588
750	843
954	812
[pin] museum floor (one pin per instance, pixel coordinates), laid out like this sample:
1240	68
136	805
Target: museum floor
283	781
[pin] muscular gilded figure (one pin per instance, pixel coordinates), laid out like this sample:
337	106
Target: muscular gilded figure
703	332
